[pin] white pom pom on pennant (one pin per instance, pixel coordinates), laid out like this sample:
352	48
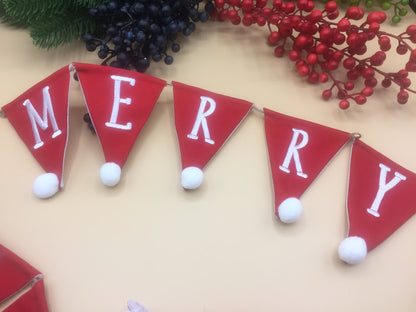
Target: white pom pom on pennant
110	174
46	185
192	178
352	250
290	210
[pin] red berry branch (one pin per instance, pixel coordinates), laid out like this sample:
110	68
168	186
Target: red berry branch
319	45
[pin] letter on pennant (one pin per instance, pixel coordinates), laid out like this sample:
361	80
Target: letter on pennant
35	119
293	153
201	120
383	188
117	100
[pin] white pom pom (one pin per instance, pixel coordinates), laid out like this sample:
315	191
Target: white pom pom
192	178
290	210
110	174
352	250
46	185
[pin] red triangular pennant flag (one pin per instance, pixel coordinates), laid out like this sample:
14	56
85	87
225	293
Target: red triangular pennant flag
119	102
204	121
40	117
298	152
33	300
380	199
15	273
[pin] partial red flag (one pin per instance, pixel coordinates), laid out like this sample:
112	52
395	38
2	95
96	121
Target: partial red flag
380	200
15	273
40	118
299	151
119	102
15	276
33	300
204	121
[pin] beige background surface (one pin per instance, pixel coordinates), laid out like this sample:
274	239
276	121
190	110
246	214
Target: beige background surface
219	248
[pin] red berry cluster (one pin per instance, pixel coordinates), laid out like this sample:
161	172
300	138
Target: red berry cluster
321	42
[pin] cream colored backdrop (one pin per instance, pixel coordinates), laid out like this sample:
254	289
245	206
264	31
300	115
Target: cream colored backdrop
219	248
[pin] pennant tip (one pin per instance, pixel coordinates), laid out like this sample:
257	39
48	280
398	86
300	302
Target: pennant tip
110	174
192	178
352	250
290	210
46	185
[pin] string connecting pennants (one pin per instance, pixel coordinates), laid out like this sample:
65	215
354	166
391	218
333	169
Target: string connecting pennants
120	102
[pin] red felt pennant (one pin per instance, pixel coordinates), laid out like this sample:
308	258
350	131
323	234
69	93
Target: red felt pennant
204	121
33	300
119	102
298	152
380	195
40	117
15	273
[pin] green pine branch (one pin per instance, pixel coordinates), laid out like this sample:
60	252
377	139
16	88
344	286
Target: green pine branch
26	12
4	18
50	22
61	29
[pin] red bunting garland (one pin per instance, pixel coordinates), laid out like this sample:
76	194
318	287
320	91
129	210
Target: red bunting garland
121	101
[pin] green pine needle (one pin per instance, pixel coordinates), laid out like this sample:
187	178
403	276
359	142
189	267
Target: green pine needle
2	11
90	3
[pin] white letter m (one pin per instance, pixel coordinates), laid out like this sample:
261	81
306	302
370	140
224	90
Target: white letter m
36	120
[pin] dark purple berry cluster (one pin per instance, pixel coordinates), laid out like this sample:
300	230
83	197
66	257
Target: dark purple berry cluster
131	34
